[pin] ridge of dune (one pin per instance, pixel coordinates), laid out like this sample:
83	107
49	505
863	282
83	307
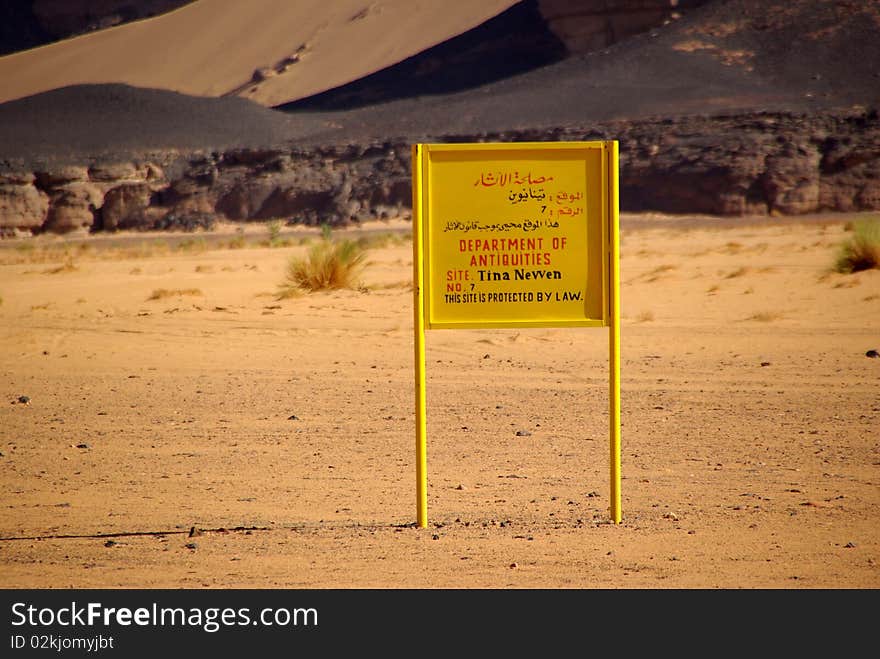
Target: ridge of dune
270	51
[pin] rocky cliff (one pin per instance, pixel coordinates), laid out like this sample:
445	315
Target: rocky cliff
761	163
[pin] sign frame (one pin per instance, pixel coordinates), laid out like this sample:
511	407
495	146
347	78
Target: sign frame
438	159
598	280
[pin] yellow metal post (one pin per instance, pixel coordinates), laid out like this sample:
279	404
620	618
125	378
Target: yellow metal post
419	342
614	331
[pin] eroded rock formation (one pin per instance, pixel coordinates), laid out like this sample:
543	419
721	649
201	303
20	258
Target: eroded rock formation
754	164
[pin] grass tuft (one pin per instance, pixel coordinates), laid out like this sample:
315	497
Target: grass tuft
862	250
274	228
327	266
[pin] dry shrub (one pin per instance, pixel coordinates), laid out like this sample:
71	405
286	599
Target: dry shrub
274	228
161	293
327	266
862	250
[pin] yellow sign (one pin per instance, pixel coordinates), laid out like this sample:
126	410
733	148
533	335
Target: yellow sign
516	234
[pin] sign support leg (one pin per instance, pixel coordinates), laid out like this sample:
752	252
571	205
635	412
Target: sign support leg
421	430
419	345
614	338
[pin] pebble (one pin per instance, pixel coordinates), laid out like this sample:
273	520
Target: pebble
872	353
110	543
191	545
293	417
83	446
24	400
523	433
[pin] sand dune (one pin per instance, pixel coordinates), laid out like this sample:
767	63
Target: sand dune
214	47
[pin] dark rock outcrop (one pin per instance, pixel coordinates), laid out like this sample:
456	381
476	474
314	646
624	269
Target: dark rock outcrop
23	207
125	206
587	26
748	164
753	164
66	18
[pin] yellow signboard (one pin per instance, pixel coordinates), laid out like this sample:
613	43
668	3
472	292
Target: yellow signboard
516	234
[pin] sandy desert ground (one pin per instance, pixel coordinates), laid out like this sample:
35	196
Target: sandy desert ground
222	438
